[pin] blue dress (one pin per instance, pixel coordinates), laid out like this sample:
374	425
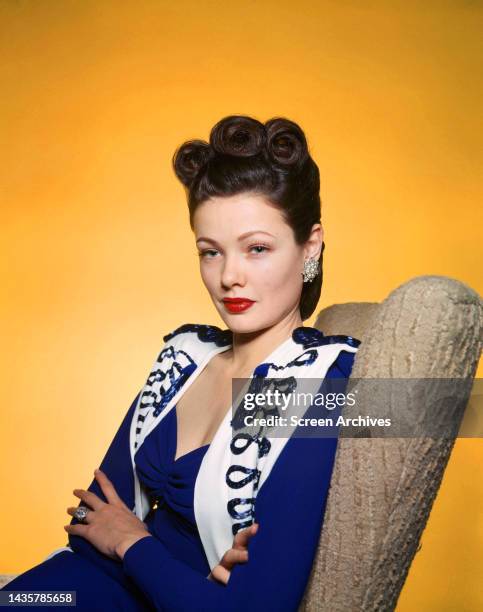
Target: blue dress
168	570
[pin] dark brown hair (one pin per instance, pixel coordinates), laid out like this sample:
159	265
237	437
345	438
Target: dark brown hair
271	159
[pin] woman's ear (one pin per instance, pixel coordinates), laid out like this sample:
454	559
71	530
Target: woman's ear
313	246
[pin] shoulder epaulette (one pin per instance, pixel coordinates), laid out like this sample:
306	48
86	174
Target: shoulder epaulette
205	333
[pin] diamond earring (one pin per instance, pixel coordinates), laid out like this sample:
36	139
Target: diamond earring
311	269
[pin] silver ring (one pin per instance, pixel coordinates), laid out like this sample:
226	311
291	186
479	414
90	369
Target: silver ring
81	513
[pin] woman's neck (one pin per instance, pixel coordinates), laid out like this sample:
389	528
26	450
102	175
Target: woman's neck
250	349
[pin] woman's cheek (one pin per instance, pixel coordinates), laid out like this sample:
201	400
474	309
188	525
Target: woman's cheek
281	271
208	275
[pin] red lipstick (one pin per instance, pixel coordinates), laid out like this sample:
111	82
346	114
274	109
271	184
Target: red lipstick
237	304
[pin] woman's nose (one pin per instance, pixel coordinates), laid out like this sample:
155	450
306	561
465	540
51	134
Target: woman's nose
232	272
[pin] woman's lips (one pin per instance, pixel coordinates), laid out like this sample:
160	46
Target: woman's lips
238	305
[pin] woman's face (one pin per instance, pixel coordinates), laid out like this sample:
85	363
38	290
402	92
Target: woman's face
247	250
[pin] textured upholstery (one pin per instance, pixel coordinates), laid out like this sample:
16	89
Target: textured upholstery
382	490
5	579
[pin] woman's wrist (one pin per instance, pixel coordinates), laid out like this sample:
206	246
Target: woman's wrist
124	545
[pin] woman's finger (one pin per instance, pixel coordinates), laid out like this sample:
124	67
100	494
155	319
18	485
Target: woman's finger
220	574
232	557
242	538
108	488
87	518
89	498
78	529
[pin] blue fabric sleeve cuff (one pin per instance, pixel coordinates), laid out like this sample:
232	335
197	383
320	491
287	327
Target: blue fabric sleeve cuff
142	555
167	582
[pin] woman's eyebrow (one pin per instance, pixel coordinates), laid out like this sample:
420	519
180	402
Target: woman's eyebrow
242	237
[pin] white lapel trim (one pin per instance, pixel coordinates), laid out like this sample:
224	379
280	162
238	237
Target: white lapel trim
212	493
142	506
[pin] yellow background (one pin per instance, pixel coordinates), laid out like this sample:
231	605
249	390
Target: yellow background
98	261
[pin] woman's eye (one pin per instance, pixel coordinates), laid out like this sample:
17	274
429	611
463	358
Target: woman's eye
207	252
210	253
259	246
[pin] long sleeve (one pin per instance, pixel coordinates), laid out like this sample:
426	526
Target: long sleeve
118	467
289	509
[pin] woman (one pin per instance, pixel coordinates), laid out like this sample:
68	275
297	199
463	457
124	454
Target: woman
188	511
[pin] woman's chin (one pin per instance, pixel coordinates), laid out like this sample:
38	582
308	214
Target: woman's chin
245	325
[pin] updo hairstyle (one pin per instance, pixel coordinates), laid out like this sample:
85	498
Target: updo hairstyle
272	159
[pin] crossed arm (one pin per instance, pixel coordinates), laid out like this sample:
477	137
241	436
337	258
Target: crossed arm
289	511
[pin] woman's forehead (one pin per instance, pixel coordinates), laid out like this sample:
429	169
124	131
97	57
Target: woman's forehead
241	214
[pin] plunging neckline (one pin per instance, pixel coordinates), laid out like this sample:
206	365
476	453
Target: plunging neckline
175	460
216	351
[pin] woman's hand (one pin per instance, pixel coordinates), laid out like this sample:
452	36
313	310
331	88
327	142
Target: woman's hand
111	527
238	553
